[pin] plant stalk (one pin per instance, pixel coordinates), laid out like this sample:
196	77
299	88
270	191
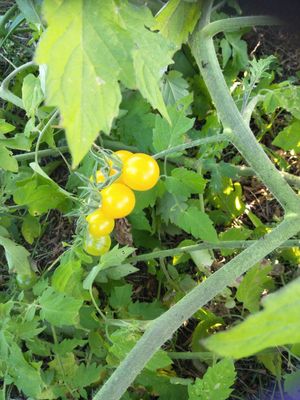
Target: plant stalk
230	244
162	328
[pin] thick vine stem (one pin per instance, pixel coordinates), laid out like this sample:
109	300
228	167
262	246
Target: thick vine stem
237	23
240	134
162	328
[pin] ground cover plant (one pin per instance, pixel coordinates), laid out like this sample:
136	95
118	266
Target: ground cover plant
150	212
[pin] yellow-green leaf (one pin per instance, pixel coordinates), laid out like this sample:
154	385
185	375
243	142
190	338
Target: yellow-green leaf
177	20
88	47
276	325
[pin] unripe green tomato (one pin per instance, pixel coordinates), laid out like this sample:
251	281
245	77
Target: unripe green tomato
26	282
97	246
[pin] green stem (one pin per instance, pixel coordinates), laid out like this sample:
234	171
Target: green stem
193	143
110	144
162	328
41	153
229	244
189	355
238	23
5	93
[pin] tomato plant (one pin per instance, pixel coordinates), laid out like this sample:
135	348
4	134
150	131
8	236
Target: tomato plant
149	177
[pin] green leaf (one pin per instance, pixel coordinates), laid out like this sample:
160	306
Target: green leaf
25	330
146	311
289	137
68	278
197	223
17	257
267	328
272	361
115	256
216	382
252	286
31	9
31	228
194	181
239	49
146	199
177	188
174	88
32	94
111	265
25	377
7	161
68	345
39	195
165	135
283	95
85	375
83	73
5	127
135	128
121	296
177	19
58	308
139	221
116	272
18	142
226	52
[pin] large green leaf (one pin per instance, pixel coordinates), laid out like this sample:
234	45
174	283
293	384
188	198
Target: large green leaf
25	376
195	222
276	325
58	308
88	48
177	19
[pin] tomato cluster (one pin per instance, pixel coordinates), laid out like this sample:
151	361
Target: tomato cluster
139	172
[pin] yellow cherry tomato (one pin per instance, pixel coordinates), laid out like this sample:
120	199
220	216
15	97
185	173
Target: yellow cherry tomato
118	200
97	246
140	172
123	155
100	224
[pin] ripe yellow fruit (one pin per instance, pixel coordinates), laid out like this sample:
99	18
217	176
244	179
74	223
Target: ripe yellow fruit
118	200
100	224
